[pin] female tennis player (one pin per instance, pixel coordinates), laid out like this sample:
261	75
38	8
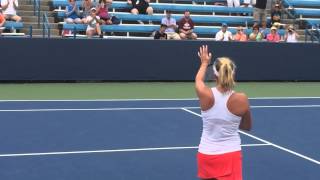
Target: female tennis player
223	113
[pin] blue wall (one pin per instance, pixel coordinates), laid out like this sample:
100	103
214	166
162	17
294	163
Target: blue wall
134	60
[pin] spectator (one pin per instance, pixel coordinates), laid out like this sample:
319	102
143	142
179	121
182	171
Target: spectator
273	36
186	27
161	33
264	30
291	35
86	7
171	26
140	7
103	11
93	24
259	13
233	3
224	34
2	21
255	35
240	35
9	10
276	14
72	13
247	3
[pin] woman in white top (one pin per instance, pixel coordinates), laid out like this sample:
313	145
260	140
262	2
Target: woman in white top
9	8
291	36
223	113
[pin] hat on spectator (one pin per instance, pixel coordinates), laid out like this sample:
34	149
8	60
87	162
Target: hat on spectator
163	25
290	27
93	9
273	28
277	5
224	25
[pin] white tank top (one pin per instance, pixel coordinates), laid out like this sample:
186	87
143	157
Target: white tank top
220	127
291	38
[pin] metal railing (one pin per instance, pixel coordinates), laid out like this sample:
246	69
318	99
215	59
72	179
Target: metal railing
314	34
37	10
46	28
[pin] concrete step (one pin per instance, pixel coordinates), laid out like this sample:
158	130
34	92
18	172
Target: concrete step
30	8
30	2
53	32
31	13
35	19
35	25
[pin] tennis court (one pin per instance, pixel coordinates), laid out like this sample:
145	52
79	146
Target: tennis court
149	139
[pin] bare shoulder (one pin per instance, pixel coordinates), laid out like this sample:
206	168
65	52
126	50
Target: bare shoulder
238	103
239	97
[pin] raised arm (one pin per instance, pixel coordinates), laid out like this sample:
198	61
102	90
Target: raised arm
16	4
204	92
4	5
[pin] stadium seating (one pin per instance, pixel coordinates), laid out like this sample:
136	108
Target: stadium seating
196	18
208	30
312	22
303	12
172	7
151	28
302	3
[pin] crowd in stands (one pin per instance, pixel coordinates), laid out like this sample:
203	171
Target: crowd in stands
97	15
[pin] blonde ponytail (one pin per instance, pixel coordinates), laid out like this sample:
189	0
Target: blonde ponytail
225	68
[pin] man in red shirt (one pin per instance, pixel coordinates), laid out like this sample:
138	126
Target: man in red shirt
186	26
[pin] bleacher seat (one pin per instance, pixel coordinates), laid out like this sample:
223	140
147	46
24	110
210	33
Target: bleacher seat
207	30
302	3
243	20
302	12
312	22
172	7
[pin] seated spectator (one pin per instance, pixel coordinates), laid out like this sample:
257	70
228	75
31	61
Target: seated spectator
140	7
72	13
186	27
86	7
2	21
291	35
276	14
255	35
161	33
103	11
273	36
247	3
240	35
93	24
171	26
224	34
233	3
9	10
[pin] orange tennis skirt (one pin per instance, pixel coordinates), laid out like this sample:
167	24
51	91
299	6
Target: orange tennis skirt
226	166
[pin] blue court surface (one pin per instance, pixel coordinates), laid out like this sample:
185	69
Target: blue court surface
150	140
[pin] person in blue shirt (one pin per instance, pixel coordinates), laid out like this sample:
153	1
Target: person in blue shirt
72	13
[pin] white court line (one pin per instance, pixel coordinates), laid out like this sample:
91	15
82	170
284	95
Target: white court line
114	150
141	99
267	142
145	108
